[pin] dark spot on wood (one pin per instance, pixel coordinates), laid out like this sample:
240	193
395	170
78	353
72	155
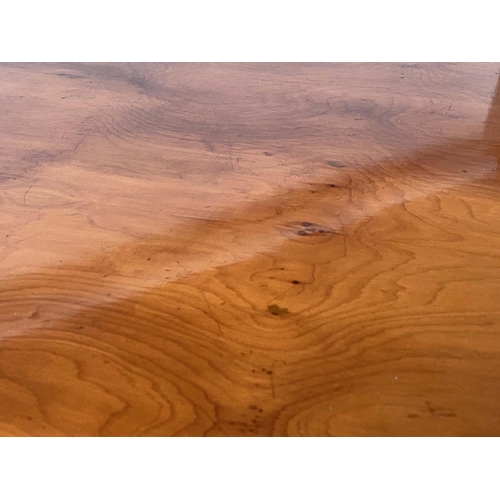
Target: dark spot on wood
336	164
276	310
301	233
295	282
465	171
331	185
307	224
269	372
252	407
69	75
260	410
267	153
149	258
321	231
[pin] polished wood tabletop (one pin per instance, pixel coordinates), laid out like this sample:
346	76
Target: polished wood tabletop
249	249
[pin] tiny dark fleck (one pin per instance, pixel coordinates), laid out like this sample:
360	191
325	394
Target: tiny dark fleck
269	372
263	369
252	407
149	258
295	282
321	230
430	408
29	418
302	233
260	410
253	371
307	224
268	154
313	192
464	171
331	185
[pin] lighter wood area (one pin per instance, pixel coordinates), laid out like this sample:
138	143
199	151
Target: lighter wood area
249	250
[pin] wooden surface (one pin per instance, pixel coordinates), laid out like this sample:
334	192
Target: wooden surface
249	250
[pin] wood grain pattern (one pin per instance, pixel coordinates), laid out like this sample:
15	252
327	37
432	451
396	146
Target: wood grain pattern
249	249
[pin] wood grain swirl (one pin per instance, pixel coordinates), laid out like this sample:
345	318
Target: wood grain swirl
249	250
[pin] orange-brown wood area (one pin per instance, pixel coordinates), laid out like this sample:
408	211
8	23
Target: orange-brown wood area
249	250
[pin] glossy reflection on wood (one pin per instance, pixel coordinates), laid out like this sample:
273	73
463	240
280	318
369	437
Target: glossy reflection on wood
249	249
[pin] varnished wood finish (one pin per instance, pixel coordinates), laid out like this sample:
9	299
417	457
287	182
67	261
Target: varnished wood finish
252	249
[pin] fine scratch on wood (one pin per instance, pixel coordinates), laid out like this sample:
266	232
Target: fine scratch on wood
28	190
211	312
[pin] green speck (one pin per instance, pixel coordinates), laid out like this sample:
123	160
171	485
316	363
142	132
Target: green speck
336	164
277	310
